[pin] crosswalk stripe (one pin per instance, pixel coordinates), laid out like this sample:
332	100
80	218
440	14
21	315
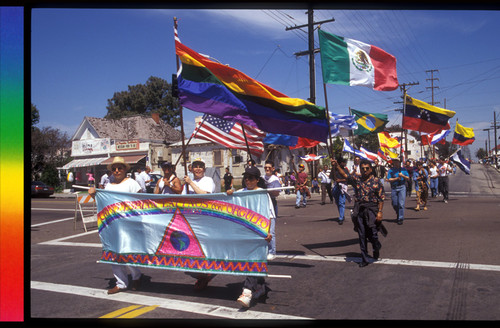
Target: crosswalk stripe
164	303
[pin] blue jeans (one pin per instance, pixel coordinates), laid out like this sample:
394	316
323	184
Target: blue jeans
300	196
339	197
398	195
272	243
434	186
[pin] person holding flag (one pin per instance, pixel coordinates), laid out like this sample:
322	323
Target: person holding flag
368	205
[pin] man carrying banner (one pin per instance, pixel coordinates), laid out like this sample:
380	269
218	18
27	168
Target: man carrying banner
254	287
368	204
121	183
398	177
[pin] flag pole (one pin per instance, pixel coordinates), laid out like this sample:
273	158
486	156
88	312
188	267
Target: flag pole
401	155
330	147
246	142
180	109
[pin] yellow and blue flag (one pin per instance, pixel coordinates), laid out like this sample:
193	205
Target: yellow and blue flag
369	122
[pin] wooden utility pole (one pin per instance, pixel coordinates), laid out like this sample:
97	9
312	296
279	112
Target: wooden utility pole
311	51
432	87
404	131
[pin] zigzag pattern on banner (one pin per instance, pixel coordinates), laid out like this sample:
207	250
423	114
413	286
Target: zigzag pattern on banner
187	263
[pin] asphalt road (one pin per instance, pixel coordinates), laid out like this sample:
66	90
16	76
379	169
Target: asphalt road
441	264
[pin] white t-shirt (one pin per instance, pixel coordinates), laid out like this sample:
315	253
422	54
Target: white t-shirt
324	177
127	185
146	178
140	181
433	172
205	184
165	189
272	181
443	170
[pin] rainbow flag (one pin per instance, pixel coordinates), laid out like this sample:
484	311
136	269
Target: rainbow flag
208	233
463	136
219	90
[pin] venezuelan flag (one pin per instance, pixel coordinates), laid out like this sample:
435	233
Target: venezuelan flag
420	116
368	122
463	136
219	90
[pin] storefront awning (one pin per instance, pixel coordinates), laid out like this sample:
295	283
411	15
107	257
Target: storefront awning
129	159
84	162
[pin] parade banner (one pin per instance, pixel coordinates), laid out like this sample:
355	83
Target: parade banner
205	233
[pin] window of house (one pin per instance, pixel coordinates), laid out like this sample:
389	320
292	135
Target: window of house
217	157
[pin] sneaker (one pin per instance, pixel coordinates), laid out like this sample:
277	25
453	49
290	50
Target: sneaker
297	206
445	201
271	257
341	222
400	222
245	298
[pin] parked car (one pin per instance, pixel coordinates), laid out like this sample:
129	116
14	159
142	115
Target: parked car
38	188
154	179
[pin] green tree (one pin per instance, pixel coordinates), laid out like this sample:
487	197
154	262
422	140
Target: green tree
153	97
35	116
481	153
49	147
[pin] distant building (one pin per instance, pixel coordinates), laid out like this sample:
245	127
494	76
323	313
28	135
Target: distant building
140	139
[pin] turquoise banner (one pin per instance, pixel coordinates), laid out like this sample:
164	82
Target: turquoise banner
210	233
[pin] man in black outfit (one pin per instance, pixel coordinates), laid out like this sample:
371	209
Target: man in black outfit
368	204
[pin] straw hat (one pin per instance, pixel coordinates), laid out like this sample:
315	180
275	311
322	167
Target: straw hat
118	160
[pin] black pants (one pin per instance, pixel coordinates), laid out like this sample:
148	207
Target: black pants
443	186
364	219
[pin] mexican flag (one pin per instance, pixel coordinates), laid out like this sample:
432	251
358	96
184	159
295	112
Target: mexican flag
350	62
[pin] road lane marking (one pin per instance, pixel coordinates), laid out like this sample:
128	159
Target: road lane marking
119	312
164	303
50	222
431	264
138	312
60	209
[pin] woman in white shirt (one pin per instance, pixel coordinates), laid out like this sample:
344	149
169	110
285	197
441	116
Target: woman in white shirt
122	183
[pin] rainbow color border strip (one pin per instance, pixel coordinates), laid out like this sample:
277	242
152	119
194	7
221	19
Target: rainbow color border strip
11	164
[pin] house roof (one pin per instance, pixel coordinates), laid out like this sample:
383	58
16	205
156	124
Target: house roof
141	127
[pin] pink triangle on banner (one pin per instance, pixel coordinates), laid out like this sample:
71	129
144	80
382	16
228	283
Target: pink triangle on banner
179	239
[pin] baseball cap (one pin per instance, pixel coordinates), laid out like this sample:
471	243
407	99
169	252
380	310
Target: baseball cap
251	171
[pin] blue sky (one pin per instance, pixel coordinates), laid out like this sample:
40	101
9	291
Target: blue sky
81	57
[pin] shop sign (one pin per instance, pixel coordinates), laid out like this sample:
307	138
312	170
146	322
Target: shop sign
127	145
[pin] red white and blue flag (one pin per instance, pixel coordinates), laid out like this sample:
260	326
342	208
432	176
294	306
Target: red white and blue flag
230	134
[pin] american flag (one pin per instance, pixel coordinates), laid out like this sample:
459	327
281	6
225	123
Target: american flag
230	134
